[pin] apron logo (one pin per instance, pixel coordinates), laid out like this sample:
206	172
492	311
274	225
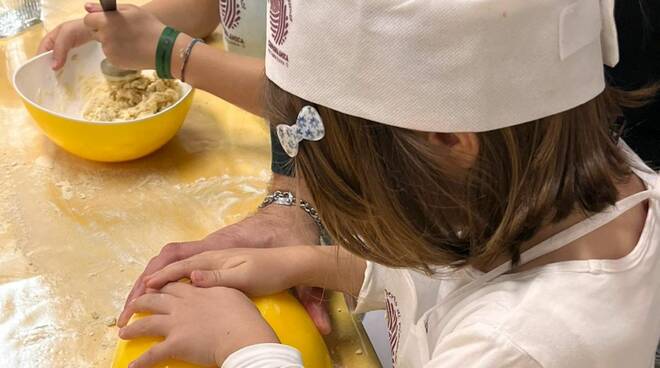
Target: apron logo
230	11
393	323
279	19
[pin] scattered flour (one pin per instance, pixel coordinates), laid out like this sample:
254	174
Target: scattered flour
25	307
110	321
66	189
44	162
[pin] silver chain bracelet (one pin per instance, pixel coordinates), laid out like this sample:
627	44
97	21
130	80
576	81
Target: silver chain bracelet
289	199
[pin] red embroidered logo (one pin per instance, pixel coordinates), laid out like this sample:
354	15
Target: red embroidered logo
230	12
393	323
279	21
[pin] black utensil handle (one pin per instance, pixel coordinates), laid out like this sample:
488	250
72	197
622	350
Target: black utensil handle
109	5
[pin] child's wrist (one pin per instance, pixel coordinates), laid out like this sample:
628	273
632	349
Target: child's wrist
302	263
359	266
316	266
339	270
176	62
328	267
263	334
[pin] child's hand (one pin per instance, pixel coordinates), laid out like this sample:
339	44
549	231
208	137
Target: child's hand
200	326
129	35
62	39
257	272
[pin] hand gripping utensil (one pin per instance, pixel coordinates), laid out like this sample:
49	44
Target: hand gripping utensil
111	72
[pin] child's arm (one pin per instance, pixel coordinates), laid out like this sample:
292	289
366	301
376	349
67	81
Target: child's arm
332	268
130	35
200	20
260	272
235	78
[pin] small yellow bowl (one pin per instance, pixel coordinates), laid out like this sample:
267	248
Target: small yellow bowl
55	102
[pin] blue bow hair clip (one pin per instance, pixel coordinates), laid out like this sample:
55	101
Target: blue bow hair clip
308	127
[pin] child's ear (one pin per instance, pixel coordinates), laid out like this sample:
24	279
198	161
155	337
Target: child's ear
464	147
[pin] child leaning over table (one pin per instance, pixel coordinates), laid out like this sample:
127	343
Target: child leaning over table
464	149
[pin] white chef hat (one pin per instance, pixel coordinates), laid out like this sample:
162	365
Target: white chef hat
442	65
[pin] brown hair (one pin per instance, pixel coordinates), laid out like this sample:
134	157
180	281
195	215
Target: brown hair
388	196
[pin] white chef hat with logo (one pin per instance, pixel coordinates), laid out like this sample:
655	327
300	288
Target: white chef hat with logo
442	65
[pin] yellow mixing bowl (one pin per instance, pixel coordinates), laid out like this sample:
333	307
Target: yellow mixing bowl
282	311
55	101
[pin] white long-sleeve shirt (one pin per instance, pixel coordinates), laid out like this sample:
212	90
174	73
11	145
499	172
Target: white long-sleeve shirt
587	313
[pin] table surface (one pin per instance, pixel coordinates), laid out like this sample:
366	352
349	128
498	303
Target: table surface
74	234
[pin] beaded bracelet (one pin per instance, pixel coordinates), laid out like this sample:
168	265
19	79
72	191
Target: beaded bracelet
164	52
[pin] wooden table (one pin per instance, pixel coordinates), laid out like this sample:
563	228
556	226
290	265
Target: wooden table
74	234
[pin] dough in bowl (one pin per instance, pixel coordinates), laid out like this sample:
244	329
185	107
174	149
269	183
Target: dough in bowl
128	100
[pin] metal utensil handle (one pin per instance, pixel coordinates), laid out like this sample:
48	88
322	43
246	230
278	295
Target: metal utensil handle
109	5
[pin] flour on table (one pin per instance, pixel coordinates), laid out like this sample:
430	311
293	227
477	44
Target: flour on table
25	307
